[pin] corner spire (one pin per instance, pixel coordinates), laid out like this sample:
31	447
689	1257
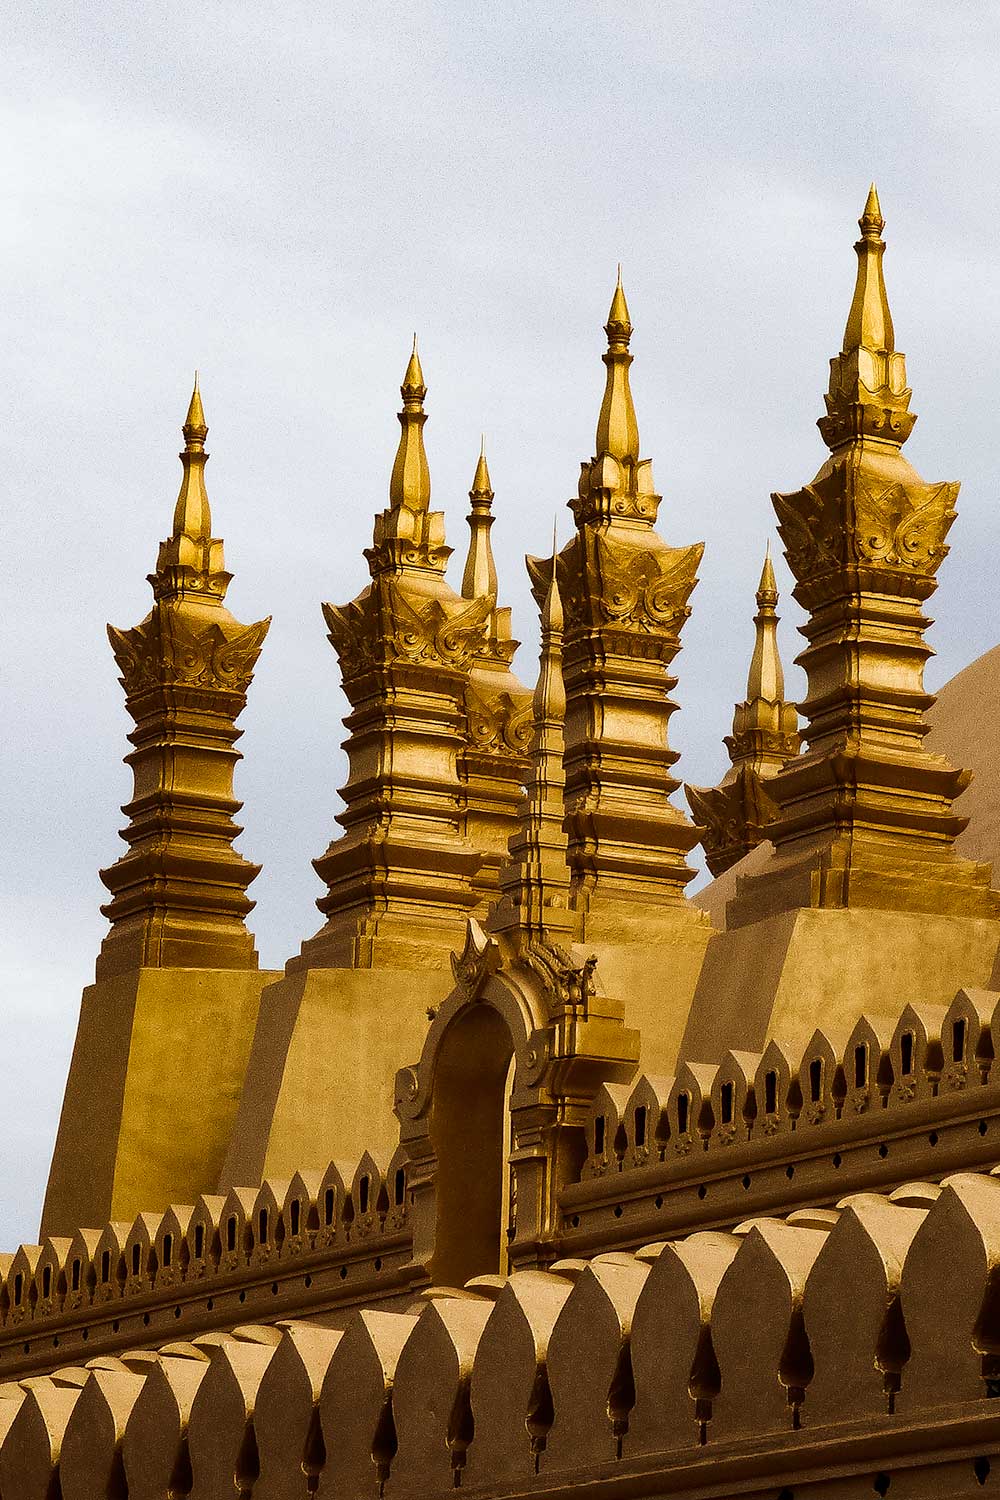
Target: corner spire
617	428
535	882
868	394
480	576
734	815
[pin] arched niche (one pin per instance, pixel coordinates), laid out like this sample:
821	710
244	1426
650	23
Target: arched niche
469	1135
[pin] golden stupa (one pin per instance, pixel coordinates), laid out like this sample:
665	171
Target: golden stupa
532	1174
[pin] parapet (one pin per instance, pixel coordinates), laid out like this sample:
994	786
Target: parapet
717	1359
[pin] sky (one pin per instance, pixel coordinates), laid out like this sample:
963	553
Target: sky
279	196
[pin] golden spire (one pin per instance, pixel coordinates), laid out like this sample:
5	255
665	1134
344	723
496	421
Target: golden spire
409	534
192	516
869	322
766	679
868	395
191	560
480	576
617	428
410	485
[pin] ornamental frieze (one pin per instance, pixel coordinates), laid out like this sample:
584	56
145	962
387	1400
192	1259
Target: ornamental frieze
642	590
833	523
498	724
165	650
383	626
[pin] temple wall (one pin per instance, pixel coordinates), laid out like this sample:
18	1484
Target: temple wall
717	1364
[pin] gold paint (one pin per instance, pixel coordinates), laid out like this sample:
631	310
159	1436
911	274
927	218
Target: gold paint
179	894
535	881
494	762
402	878
736	813
625	594
866	815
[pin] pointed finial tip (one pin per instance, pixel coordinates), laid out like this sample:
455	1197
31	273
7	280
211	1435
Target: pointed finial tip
413	381
194	422
619	323
767	589
871	218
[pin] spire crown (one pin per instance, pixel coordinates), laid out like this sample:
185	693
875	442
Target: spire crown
767	589
191	561
868	395
617	428
195	428
409	534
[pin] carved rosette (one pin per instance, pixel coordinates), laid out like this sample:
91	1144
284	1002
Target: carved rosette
733	817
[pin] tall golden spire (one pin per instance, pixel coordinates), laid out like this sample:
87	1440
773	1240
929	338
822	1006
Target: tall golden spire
191	560
535	882
409	534
179	894
626	595
866	815
400	881
734	814
480	576
617	428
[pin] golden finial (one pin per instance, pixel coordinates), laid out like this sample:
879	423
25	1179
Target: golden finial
617	428
480	577
410	485
194	429
767	589
869	322
192	516
413	387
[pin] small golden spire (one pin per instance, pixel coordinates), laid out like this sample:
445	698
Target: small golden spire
617	428
410	485
766	679
480	577
192	516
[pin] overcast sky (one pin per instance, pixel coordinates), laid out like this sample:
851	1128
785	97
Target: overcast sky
280	195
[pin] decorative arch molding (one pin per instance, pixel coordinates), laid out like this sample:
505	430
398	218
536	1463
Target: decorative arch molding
566	1038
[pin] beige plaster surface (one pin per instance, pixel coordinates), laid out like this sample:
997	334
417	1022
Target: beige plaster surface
319	1084
656	981
787	975
152	1094
962	728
